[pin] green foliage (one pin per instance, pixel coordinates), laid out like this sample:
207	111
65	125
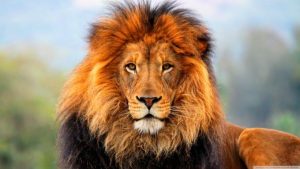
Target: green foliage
28	93
286	122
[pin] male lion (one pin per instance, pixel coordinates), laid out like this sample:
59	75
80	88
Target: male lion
145	97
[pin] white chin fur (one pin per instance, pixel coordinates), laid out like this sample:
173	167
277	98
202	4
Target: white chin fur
151	126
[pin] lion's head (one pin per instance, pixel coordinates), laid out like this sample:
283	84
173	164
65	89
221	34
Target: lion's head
146	84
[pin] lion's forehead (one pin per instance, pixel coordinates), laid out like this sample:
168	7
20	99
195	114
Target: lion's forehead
141	52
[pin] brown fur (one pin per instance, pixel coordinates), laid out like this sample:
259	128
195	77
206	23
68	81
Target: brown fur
97	92
266	147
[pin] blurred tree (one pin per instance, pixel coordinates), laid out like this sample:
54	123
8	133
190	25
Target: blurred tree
28	92
264	82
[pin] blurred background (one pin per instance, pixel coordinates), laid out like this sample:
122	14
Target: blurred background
257	61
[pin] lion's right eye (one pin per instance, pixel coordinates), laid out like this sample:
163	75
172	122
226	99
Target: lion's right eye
130	67
167	67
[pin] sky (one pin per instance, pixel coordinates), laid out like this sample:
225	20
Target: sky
57	29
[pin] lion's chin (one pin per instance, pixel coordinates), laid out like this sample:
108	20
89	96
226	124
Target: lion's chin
149	125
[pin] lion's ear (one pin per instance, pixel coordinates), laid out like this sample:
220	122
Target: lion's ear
202	41
203	44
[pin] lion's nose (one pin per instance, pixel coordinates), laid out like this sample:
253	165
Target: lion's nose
148	101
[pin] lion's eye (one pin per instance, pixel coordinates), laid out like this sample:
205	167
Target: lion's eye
167	67
130	67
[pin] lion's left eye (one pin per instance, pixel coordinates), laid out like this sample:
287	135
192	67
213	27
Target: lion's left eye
167	67
130	67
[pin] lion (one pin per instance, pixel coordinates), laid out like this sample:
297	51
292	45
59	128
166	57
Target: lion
145	97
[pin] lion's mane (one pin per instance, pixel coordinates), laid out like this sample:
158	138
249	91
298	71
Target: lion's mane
93	95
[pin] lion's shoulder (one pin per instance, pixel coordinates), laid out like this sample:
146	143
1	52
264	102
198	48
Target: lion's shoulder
259	146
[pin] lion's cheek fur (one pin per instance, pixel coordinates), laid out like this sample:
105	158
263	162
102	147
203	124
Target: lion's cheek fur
199	96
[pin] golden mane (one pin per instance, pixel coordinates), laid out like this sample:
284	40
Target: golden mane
93	93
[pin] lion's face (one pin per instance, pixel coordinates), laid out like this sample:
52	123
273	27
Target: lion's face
149	78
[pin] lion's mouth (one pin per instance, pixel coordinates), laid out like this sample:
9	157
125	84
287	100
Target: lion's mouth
150	116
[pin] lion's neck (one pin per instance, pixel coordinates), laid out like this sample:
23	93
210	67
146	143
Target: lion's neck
203	154
86	151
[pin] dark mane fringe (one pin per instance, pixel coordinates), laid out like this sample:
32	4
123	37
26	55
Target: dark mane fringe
79	149
150	12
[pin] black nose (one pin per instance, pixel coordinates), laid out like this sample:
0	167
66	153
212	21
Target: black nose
149	101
